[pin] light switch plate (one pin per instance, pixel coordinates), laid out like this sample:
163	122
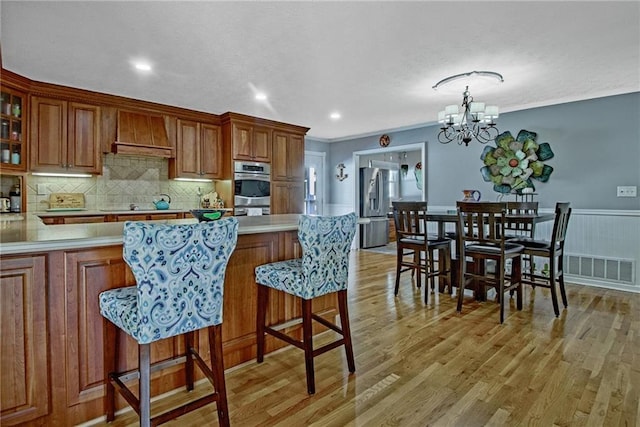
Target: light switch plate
42	189
627	191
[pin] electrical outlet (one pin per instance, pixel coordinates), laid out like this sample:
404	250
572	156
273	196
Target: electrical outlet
627	191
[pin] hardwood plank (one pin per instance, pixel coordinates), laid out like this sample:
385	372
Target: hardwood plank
425	364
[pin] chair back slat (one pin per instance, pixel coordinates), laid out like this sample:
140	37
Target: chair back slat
179	271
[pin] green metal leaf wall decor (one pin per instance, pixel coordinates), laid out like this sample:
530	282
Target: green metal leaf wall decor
514	162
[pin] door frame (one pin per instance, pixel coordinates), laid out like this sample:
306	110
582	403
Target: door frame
356	166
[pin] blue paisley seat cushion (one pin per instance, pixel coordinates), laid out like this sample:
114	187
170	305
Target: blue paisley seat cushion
120	306
284	276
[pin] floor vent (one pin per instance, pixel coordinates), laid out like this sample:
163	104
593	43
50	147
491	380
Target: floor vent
613	270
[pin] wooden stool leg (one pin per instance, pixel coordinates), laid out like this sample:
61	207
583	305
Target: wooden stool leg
552	285
346	329
217	367
188	364
261	318
560	270
516	276
307	343
110	349
144	383
399	255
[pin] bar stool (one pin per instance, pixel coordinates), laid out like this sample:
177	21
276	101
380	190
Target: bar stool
323	269
179	272
553	250
481	227
413	242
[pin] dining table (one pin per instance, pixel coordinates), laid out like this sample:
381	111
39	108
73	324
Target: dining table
444	217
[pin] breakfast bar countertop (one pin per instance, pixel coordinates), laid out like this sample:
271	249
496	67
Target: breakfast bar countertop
31	235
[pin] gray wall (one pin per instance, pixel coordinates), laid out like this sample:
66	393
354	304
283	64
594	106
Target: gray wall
596	145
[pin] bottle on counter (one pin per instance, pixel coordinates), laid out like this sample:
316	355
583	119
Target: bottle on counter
15	199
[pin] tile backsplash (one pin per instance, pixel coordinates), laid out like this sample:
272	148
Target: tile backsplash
124	180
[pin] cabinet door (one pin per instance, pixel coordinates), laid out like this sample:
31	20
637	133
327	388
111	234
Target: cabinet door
287	163
83	145
48	133
211	160
242	141
24	380
83	219
287	197
261	144
188	150
12	137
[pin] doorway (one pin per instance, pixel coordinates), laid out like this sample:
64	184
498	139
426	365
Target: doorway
314	182
397	151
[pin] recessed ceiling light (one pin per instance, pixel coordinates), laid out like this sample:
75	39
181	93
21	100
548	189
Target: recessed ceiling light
142	66
335	115
260	96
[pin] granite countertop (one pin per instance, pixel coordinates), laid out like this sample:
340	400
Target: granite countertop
25	233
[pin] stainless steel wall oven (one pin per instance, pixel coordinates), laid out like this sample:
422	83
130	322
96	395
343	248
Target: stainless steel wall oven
252	188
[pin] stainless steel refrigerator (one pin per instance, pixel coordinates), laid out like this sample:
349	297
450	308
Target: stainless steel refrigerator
374	204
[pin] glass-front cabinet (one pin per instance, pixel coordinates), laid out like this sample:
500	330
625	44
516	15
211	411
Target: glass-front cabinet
12	137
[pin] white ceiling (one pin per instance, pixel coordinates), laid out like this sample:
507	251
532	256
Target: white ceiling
375	62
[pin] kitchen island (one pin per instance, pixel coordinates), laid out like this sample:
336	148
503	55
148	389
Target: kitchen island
51	330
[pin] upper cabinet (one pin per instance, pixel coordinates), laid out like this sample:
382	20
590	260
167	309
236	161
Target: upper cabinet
64	136
287	162
12	136
250	139
251	142
199	151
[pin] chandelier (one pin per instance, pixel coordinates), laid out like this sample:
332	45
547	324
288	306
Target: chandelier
474	121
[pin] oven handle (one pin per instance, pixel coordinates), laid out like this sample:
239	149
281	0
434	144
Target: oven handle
258	177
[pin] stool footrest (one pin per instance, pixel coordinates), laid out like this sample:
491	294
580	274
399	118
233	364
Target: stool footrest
118	378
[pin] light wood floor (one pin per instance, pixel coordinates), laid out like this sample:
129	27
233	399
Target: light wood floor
423	364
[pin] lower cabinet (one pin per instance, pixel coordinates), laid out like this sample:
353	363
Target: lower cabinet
24	347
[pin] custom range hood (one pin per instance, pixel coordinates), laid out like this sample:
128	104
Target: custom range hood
142	135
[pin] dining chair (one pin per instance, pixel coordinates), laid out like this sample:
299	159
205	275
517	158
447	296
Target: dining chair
323	269
553	250
481	237
179	272
516	229
415	247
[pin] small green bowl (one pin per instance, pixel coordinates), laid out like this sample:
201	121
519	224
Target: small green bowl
204	215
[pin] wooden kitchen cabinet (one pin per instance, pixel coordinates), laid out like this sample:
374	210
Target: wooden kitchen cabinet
287	162
251	142
249	137
199	151
12	135
24	345
110	217
64	136
287	197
